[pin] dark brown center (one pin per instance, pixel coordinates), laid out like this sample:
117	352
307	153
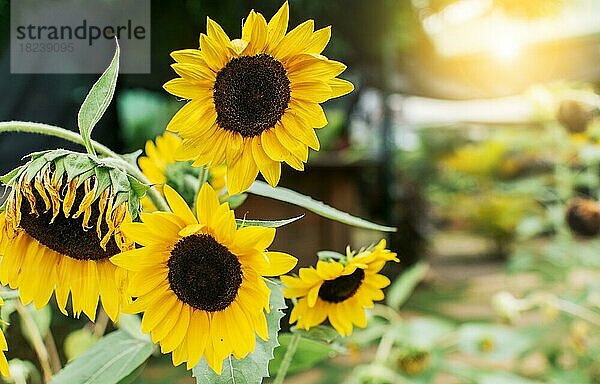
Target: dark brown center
66	235
203	273
251	94
342	288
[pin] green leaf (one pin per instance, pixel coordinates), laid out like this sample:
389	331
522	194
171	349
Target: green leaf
8	178
77	164
308	354
132	157
235	200
97	101
266	223
132	324
253	368
34	166
137	186
111	360
404	285
103	178
78	342
283	194
119	181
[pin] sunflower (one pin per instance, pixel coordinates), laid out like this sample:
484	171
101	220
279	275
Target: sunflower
160	167
199	281
57	237
339	290
3	348
255	101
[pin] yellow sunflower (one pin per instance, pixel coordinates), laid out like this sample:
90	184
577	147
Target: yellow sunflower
339	290
57	237
199	279
3	348
255	101
160	167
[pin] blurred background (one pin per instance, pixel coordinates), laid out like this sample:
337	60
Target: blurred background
473	127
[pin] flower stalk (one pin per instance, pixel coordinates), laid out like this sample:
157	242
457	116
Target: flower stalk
287	359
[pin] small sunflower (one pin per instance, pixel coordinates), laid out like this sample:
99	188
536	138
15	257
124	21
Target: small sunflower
4	371
339	290
58	230
255	101
160	167
199	281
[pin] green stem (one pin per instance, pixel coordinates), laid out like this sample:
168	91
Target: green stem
65	134
36	341
9	295
287	359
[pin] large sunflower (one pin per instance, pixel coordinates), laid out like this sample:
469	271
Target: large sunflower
57	237
160	167
255	100
199	281
339	290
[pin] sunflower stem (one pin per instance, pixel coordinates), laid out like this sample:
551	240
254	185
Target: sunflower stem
65	134
287	359
36	341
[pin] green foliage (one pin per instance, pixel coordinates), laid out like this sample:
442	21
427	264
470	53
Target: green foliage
266	223
253	368
78	342
97	101
112	359
283	194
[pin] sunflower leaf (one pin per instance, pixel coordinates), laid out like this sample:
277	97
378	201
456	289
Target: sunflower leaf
266	223
103	177
8	178
255	367
97	101
110	360
137	186
77	164
287	195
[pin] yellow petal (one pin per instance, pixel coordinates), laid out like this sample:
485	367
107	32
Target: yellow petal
314	91
278	26
295	41
340	87
319	40
241	173
270	169
179	206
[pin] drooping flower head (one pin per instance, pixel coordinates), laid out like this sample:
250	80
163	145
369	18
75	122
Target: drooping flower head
199	279
160	167
60	224
339	290
255	101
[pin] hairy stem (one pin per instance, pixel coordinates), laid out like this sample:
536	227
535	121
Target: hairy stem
65	134
287	359
36	341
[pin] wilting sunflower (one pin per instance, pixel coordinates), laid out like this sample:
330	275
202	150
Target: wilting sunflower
160	167
339	290
59	229
3	348
255	101
199	281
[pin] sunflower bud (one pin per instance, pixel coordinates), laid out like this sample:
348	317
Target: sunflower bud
574	115
60	224
583	217
413	361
